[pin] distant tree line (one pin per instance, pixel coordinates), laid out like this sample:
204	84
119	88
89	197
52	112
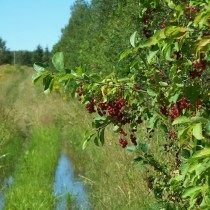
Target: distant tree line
23	57
97	33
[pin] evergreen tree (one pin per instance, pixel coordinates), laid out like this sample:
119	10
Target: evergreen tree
38	54
5	54
24	58
46	56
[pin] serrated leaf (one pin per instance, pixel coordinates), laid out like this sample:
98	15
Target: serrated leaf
58	61
197	131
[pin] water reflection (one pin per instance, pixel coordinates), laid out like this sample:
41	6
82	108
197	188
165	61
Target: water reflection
66	183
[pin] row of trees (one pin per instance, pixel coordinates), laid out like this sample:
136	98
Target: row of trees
23	57
102	29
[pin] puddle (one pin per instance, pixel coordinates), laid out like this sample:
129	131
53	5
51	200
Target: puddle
67	184
7	183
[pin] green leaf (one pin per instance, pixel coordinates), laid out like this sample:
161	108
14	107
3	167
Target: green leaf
174	98
175	31
163	84
151	55
99	121
202	153
131	148
36	77
185	153
87	140
133	39
101	136
143	147
151	92
125	54
170	4
48	82
181	120
116	128
197	131
96	141
191	191
58	61
38	67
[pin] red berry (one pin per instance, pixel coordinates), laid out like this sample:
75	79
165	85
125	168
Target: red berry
183	103
102	105
123	142
195	73
174	112
90	106
199	65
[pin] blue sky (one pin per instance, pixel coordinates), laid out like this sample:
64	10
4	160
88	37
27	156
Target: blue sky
26	23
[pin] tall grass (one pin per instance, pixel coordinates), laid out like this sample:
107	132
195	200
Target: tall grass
113	181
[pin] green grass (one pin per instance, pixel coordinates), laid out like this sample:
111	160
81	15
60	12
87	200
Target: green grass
34	176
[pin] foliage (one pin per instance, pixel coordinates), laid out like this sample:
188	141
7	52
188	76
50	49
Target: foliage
168	89
23	57
5	55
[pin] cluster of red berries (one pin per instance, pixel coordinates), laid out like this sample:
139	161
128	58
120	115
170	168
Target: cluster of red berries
198	68
115	110
176	109
123	142
91	106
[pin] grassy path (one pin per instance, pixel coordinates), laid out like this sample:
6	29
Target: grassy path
34	177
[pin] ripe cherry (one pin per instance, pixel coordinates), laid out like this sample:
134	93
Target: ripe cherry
174	112
123	142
